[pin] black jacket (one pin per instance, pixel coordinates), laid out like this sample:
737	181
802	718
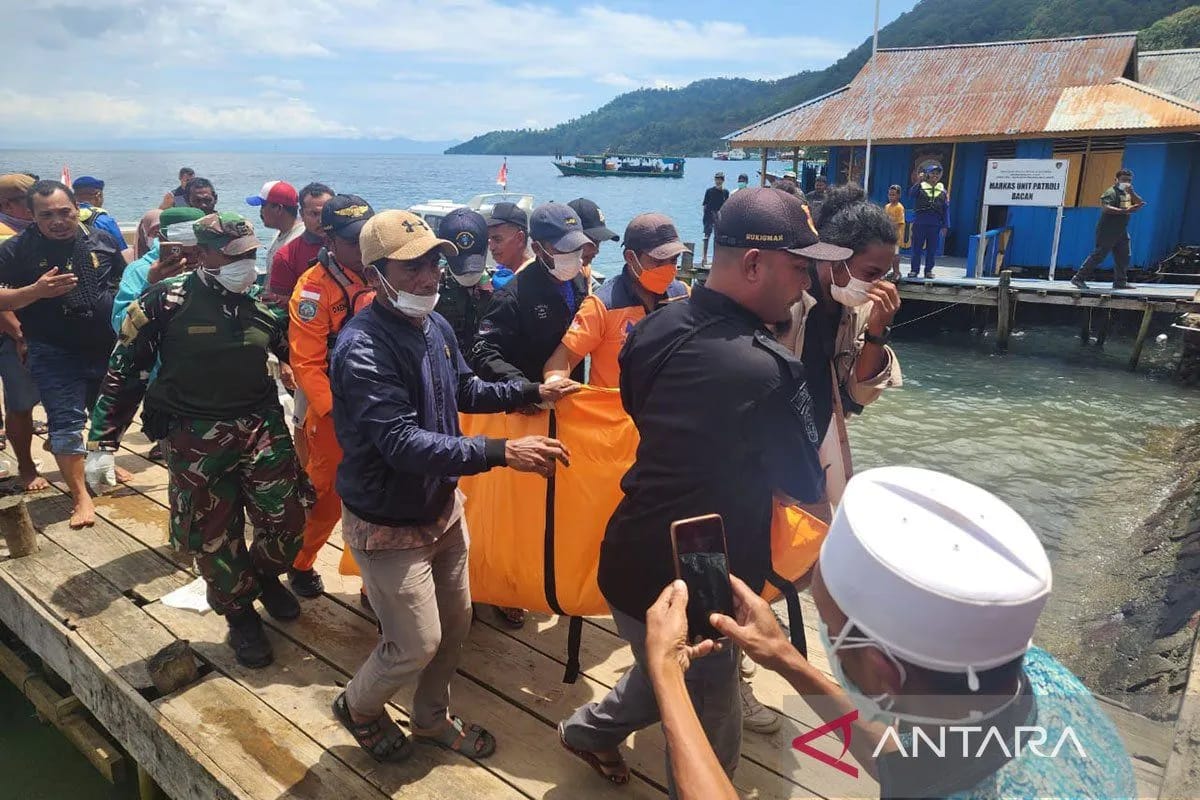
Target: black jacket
524	325
397	390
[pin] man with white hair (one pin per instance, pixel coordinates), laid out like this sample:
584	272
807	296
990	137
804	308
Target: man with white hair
928	589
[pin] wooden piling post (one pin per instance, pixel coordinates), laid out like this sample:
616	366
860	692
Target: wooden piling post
1143	332
1004	310
1085	330
762	175
1105	326
17	527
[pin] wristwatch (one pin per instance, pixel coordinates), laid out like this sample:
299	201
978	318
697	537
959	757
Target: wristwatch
879	340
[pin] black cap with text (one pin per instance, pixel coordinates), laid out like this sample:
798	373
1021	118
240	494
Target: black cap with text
768	219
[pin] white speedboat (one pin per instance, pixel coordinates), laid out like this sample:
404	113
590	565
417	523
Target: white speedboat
432	211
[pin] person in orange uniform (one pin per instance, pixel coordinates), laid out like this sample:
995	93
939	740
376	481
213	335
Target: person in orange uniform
652	250
325	298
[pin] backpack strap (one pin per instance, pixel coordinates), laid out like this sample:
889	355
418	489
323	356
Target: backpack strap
795	613
575	631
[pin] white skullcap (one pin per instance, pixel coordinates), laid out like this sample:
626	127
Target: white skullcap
944	574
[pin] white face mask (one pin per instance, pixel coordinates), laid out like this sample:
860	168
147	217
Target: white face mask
418	306
1124	185
468	280
853	294
878	708
237	276
566	265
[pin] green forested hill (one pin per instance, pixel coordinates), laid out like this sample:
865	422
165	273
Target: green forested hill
691	120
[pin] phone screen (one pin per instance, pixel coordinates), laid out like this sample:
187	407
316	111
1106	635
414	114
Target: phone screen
702	562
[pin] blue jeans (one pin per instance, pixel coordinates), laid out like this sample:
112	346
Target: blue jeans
69	383
924	239
20	392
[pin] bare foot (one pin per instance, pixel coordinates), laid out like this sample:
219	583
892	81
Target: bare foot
84	515
123	475
31	481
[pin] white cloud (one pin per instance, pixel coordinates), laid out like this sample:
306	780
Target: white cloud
279	84
449	69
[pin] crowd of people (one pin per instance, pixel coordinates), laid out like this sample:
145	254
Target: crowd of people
384	329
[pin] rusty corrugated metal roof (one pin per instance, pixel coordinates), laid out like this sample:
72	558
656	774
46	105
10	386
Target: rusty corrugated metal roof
1175	72
999	89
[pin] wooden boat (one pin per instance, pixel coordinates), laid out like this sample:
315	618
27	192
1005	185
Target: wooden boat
625	166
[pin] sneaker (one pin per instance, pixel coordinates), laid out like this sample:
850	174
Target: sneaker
912	276
755	716
306	582
279	602
248	639
1079	283
1124	286
747	667
929	276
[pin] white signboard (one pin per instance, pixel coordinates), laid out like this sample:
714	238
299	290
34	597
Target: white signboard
1025	182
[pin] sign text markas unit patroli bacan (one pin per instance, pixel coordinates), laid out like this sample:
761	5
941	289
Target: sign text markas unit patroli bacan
1025	182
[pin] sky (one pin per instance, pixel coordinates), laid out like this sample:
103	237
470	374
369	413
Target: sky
420	69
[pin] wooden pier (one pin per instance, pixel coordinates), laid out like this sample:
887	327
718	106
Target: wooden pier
1007	293
89	604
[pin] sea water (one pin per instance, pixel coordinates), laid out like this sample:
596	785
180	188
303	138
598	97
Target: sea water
1061	430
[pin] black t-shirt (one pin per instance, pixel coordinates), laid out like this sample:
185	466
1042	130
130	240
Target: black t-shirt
714	198
25	258
724	417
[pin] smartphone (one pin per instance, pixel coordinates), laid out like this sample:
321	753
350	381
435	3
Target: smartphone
170	251
702	562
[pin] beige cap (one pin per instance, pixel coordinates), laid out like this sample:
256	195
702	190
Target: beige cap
400	235
15	185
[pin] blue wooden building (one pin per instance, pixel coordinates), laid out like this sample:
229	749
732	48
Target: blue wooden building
1094	101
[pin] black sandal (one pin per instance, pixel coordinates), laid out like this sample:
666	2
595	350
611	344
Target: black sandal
455	734
382	738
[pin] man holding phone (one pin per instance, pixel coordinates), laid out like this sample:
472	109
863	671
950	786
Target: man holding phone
725	421
1117	203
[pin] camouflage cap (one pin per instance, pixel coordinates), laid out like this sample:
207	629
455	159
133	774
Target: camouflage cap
14	185
226	232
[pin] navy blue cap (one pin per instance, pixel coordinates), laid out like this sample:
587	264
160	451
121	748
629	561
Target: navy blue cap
88	182
469	232
768	219
345	215
509	213
559	226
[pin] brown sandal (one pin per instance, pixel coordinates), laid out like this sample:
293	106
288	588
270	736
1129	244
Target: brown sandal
455	733
613	771
382	738
514	618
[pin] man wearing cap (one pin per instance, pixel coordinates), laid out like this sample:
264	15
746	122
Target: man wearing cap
177	197
651	250
466	290
724	419
508	242
594	227
279	209
743	182
175	226
529	316
714	197
931	218
60	278
929	590
20	392
331	292
226	446
292	260
89	194
398	382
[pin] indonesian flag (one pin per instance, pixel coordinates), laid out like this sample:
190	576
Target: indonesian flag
65	177
502	175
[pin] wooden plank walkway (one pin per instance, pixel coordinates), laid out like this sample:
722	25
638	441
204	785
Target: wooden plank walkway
89	603
1167	298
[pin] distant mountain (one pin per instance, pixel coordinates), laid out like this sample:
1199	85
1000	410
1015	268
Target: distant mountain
691	120
394	146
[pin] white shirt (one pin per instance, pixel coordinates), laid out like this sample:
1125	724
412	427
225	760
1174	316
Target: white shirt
281	238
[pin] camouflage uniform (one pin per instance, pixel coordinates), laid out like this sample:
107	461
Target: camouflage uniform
217	411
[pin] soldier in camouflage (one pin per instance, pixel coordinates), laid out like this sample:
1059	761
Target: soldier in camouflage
217	412
465	293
